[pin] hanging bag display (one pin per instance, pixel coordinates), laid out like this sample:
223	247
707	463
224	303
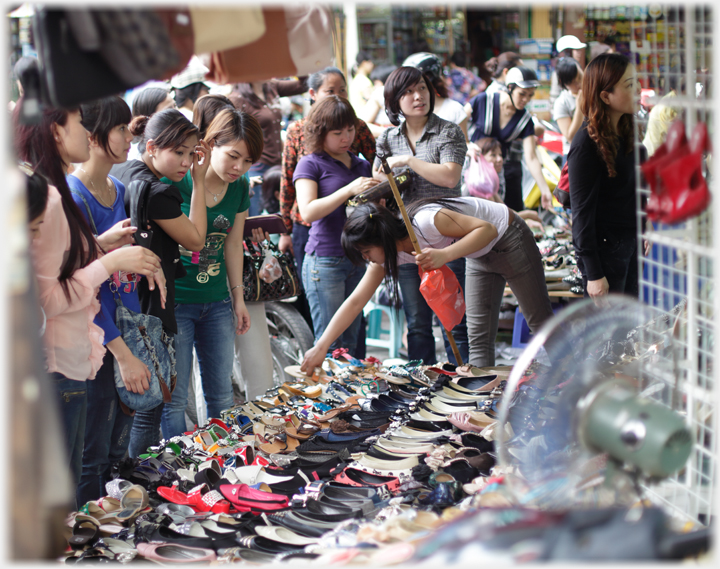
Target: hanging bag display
255	288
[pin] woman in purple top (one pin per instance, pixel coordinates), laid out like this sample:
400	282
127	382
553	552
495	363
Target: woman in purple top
324	180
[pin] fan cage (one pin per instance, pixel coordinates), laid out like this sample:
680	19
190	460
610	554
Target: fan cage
677	276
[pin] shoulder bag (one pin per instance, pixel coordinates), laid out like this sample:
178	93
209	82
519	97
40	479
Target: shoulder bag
147	340
257	290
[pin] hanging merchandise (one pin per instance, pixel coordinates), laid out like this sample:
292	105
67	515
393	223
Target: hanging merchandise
88	54
297	41
220	28
180	29
678	187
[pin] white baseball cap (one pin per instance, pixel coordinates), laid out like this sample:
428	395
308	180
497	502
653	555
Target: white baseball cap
569	42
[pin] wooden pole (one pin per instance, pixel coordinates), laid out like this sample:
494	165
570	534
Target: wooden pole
413	239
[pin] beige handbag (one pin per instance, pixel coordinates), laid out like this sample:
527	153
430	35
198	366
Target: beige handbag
220	28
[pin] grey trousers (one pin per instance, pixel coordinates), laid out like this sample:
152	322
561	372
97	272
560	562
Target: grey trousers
514	259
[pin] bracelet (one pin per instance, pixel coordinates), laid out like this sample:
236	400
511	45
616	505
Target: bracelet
236	286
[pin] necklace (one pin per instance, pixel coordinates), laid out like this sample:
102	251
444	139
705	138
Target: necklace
215	196
97	193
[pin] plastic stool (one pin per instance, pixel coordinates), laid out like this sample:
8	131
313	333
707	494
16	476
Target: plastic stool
373	314
521	331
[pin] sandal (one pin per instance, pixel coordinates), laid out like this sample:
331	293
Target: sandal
84	532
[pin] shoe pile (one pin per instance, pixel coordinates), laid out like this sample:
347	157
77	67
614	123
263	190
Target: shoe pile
355	453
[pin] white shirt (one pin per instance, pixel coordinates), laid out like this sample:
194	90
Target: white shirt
452	111
429	236
564	107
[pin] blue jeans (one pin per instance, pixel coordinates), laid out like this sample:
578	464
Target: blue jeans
300	235
107	433
421	342
256	205
328	282
72	401
210	328
145	431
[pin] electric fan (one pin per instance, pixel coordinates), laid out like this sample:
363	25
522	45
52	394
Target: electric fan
587	429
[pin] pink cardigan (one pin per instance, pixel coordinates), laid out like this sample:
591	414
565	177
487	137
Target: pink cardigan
73	343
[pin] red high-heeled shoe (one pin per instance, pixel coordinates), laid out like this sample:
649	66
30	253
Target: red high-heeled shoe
687	188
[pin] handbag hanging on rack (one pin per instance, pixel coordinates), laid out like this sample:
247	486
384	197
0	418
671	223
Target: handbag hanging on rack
257	290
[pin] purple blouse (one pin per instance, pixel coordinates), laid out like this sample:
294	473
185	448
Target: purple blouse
330	175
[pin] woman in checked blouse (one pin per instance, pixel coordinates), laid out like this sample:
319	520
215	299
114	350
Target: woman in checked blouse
435	150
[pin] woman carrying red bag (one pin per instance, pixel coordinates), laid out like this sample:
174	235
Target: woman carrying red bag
495	241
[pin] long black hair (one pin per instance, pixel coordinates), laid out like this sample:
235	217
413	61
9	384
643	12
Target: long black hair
146	101
374	225
36	145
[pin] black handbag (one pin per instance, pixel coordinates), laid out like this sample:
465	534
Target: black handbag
85	54
257	290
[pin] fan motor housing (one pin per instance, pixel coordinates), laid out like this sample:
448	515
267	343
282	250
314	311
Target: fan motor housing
633	430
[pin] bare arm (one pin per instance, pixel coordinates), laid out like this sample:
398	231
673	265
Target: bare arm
446	175
313	208
535	168
472	234
345	316
234	265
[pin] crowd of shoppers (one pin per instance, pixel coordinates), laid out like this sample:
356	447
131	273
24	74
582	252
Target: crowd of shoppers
197	151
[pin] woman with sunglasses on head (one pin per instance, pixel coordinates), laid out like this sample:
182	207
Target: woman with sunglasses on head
601	166
169	149
101	197
503	115
498	246
71	263
435	150
210	296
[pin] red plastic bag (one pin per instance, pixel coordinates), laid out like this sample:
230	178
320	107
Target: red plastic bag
442	292
481	178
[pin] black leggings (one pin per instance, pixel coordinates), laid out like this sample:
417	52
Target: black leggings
513	185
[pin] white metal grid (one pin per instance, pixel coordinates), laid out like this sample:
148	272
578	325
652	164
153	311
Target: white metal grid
675	50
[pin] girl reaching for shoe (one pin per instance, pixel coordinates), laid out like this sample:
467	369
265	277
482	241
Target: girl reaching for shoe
495	241
70	264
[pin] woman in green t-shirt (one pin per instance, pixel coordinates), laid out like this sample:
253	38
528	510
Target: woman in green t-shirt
206	310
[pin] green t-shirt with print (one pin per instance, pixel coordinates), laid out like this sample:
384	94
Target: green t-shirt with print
206	279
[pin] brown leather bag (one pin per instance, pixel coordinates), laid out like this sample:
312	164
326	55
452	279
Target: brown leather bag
260	60
180	29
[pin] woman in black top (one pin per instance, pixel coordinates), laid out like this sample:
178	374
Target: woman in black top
601	166
169	147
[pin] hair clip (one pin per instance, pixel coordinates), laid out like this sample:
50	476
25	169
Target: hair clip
26	168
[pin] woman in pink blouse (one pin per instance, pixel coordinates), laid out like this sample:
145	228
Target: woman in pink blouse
71	263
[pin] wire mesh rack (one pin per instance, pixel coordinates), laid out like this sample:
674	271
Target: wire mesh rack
672	51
